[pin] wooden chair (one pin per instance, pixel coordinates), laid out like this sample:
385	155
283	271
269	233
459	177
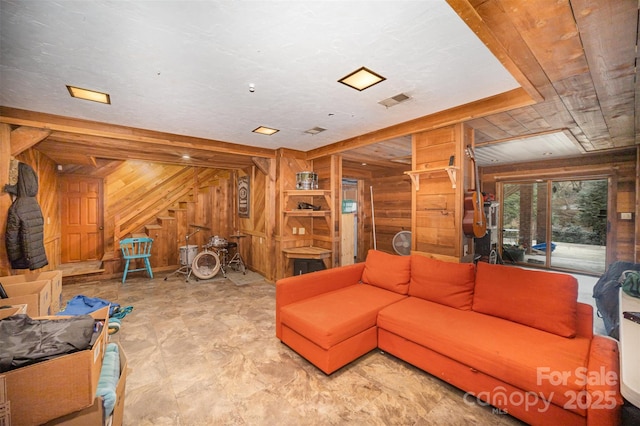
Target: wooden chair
136	248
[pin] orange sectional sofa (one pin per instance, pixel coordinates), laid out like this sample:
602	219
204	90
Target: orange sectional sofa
509	337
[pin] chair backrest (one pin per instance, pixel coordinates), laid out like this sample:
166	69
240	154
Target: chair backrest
136	247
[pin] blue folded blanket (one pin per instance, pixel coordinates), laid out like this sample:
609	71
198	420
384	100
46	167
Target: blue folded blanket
109	376
81	305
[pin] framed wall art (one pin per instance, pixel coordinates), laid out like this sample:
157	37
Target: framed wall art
243	196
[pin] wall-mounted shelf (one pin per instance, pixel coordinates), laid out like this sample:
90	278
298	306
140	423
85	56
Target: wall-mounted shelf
415	174
294	193
309	193
307	212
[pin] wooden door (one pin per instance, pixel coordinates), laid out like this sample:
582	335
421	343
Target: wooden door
349	220
81	218
347	238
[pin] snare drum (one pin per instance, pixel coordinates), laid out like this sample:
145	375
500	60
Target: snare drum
306	180
187	254
217	242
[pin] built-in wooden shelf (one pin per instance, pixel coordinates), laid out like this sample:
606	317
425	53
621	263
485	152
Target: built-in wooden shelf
415	174
307	212
306	253
306	193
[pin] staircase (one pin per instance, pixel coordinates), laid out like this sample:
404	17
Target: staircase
168	232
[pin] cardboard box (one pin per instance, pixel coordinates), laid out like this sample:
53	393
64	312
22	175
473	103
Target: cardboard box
94	415
50	389
3	390
5	406
8	311
56	285
5	414
36	295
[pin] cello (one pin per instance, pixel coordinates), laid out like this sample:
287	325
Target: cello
474	222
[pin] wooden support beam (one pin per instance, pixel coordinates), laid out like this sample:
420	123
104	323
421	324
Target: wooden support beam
470	16
111	131
24	137
263	165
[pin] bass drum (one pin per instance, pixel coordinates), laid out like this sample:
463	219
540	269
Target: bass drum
206	265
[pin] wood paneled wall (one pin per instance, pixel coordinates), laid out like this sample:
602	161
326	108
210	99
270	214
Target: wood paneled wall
47	199
352	170
392	192
437	205
392	208
258	248
137	196
326	230
5	199
288	164
138	193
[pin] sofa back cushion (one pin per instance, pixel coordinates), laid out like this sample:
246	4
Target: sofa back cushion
387	271
442	282
543	300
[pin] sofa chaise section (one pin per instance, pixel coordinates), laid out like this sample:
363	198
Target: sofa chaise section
330	319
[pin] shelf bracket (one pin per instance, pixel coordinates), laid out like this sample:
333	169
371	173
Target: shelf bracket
415	178
451	171
415	175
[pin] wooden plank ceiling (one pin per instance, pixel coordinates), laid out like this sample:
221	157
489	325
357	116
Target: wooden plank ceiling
579	55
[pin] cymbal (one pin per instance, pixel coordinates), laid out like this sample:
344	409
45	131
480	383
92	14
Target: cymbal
200	226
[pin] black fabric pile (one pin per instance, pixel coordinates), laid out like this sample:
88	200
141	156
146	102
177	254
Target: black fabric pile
25	341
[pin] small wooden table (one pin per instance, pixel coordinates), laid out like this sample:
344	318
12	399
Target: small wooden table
308	253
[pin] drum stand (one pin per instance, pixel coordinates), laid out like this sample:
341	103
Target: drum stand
236	260
186	269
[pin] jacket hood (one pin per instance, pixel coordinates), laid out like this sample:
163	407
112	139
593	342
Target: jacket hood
27	185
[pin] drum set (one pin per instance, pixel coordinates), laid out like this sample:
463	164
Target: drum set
214	257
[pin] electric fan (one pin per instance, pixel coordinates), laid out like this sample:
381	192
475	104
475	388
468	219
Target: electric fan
402	243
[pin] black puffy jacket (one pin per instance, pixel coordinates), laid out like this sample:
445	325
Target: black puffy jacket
25	224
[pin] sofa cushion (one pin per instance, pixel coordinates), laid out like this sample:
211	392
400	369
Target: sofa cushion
446	283
387	271
332	317
522	356
543	300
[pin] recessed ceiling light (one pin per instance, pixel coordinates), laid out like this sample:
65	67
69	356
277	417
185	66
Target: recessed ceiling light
315	130
265	130
89	95
361	79
547	153
186	157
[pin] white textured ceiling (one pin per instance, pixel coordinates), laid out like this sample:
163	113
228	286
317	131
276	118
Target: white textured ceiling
185	67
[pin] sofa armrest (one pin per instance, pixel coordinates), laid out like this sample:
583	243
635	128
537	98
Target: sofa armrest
603	382
300	287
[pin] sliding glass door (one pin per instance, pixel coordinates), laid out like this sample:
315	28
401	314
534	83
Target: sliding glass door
558	224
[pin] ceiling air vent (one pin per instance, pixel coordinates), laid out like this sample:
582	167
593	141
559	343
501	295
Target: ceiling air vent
394	100
315	130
